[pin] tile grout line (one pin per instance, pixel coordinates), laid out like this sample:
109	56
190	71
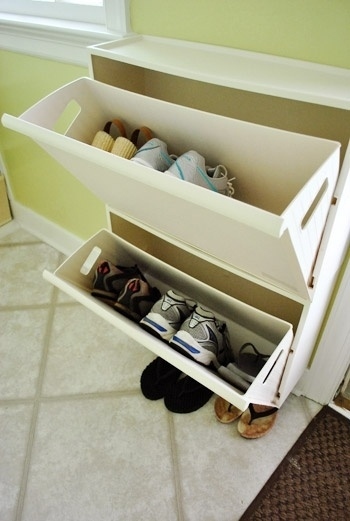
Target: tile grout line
176	470
36	407
20	244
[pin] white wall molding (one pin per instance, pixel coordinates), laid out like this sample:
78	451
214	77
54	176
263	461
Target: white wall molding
45	230
51	39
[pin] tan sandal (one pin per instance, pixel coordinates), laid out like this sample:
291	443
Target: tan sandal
225	412
127	148
103	138
257	421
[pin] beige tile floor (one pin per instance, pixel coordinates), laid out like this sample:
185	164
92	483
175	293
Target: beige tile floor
78	441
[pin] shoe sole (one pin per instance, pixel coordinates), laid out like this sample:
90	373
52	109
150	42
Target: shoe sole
107	298
186	344
126	312
158	326
142	162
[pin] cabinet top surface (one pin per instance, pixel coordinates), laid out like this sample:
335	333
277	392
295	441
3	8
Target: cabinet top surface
254	72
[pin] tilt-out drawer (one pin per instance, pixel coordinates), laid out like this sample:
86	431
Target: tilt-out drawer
284	181
271	335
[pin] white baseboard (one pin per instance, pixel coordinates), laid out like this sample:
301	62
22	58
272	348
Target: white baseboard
341	410
45	230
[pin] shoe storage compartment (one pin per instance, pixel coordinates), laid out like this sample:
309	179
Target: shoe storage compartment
271	335
284	183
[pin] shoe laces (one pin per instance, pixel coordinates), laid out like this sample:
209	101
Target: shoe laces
230	189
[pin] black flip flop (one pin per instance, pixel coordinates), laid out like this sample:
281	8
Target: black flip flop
251	361
158	377
186	395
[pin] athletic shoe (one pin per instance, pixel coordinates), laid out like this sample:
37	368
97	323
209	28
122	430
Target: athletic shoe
109	280
191	167
136	299
167	315
203	338
154	154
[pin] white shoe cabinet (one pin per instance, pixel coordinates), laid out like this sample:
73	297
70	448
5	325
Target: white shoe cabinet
264	261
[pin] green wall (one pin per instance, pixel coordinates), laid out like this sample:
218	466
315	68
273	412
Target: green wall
312	30
36	180
315	30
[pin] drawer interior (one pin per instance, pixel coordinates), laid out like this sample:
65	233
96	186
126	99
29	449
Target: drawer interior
229	283
245	323
285	114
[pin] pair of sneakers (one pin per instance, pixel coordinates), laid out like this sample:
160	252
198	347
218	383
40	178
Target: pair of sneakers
125	289
189	167
189	328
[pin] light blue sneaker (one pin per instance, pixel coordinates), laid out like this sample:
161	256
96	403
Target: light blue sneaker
191	167
154	154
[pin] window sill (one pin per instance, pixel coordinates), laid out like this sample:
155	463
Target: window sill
58	40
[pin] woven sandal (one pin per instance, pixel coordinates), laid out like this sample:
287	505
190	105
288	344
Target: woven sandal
103	138
127	148
225	412
250	360
257	421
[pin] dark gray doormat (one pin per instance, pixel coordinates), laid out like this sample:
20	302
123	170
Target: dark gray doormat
313	481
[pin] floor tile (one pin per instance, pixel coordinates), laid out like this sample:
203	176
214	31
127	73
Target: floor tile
21	348
101	451
21	269
14	429
102	460
224	471
17	236
88	355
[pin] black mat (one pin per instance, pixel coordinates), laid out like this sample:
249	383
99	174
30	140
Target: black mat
313	481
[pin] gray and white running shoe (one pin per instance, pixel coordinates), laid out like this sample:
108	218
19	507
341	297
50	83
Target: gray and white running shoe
203	338
167	315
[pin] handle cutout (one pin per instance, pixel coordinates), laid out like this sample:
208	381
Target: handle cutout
315	203
90	260
67	117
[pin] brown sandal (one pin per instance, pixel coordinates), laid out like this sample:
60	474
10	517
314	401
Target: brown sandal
225	412
257	421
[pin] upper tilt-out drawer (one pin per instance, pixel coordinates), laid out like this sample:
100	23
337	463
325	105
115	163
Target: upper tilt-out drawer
284	183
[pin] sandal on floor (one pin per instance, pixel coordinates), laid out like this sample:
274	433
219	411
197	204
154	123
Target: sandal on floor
250	360
225	412
186	395
157	379
257	421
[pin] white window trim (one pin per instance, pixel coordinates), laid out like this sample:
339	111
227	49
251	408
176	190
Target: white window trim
62	40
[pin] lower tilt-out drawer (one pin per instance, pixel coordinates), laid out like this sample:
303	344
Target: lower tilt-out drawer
272	335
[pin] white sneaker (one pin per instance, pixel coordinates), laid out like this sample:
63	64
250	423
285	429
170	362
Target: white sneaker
191	167
154	154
